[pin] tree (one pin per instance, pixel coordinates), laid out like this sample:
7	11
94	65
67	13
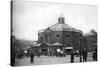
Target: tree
93	31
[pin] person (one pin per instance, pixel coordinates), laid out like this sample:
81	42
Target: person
31	58
72	57
84	55
80	54
58	52
95	55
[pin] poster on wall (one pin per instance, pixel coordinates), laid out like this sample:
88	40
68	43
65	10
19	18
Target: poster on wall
45	33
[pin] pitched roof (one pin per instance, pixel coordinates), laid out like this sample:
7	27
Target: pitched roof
41	44
60	26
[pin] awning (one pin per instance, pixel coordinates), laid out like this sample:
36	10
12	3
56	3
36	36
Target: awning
68	47
56	44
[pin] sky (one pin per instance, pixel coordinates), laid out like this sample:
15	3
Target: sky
30	17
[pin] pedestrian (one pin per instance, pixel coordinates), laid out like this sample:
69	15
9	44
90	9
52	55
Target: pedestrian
58	52
84	55
31	58
72	57
95	55
62	53
80	54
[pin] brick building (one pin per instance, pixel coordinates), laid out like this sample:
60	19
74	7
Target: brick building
60	33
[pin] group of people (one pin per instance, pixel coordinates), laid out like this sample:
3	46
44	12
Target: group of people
82	54
60	53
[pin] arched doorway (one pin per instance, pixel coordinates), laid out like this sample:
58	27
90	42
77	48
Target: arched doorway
44	49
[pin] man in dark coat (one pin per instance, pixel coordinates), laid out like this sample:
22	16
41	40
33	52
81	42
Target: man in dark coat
72	57
31	58
84	55
80	53
95	55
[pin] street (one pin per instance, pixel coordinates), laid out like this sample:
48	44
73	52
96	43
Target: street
47	60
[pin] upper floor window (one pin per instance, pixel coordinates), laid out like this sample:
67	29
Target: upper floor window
57	36
67	35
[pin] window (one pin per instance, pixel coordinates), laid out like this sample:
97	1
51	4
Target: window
57	35
67	35
80	35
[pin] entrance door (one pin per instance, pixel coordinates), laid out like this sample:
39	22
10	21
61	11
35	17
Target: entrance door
44	51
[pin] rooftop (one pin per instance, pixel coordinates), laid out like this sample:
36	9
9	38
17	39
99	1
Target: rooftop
61	26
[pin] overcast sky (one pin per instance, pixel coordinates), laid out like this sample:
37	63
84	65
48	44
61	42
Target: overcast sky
30	17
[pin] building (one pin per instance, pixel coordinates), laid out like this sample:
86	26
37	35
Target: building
61	33
91	41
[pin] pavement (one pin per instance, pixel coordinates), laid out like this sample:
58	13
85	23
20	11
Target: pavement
45	60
